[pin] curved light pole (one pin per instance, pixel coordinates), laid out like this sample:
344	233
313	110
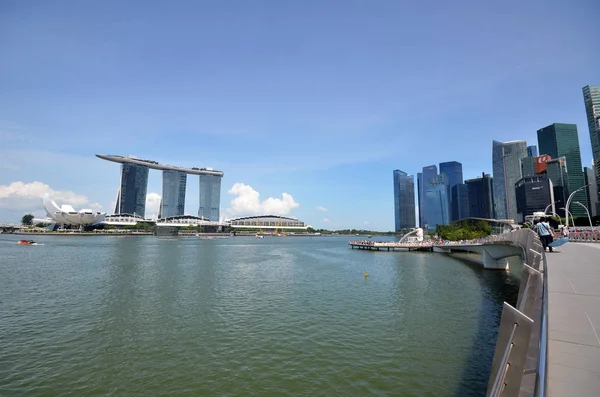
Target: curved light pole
548	206
588	213
569	203
567	211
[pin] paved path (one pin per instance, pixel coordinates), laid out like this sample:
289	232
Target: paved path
574	320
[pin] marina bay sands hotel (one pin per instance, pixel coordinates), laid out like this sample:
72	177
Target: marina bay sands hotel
131	198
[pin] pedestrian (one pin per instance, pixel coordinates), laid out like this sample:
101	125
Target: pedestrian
545	233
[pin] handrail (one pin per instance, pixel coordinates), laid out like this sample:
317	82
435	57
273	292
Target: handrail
541	380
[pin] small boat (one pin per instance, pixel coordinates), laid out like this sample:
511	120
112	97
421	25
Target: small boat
26	242
260	236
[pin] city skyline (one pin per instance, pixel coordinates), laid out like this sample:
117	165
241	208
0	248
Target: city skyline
301	119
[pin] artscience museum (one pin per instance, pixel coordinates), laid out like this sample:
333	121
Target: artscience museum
67	215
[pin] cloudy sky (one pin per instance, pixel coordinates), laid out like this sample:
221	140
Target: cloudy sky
306	106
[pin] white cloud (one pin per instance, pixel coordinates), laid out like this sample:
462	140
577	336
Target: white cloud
321	208
24	196
248	202
152	205
366	222
325	220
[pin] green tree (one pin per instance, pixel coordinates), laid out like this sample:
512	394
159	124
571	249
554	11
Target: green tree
27	220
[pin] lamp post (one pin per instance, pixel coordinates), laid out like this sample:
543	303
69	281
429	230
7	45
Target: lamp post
550	205
569	203
588	213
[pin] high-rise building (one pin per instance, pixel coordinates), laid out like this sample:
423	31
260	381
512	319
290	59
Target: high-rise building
419	192
173	193
557	172
532	151
481	196
210	197
592	191
533	195
428	173
528	166
459	202
591	98
454	173
436	201
131	198
561	140
404	200
506	164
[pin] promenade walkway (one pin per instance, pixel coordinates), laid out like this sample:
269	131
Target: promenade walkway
574	320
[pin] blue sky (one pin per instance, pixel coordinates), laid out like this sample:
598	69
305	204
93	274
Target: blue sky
317	99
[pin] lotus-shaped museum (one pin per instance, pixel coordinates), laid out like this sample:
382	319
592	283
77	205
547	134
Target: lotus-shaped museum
67	215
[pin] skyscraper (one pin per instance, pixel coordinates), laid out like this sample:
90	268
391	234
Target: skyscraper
533	195
429	173
404	200
454	174
419	196
481	196
561	140
591	98
459	202
131	198
592	191
528	166
173	193
532	151
210	197
556	170
506	165
436	201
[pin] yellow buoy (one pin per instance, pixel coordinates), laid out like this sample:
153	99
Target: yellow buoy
366	274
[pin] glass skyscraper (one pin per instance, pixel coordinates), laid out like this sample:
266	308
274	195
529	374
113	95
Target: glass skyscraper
561	140
131	198
591	98
454	175
506	165
210	197
436	201
533	195
556	170
173	193
428	174
532	151
481	197
592	191
404	200
528	166
459	202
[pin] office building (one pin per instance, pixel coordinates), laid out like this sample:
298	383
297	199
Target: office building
454	174
561	140
459	202
506	164
557	172
131	197
428	173
481	197
591	190
419	190
210	197
533	194
404	201
528	166
436	201
591	98
173	193
532	151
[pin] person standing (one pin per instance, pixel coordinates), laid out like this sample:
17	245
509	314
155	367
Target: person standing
543	230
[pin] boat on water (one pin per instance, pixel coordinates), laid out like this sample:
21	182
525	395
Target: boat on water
260	236
26	242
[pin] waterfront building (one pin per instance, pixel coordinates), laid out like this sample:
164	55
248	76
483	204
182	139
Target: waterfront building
591	98
506	164
404	200
454	174
173	193
481	197
533	194
436	201
528	166
267	222
67	215
428	173
210	197
592	191
459	202
557	172
131	197
532	151
561	140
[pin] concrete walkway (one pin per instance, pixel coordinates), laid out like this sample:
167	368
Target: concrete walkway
574	320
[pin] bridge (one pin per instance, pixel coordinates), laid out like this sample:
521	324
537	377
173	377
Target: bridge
549	344
8	227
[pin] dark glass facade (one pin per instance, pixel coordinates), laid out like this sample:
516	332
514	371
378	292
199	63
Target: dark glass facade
561	140
528	166
419	196
556	171
454	175
592	191
210	197
591	98
533	195
404	200
428	174
506	164
481	197
132	193
459	202
532	151
173	193
436	201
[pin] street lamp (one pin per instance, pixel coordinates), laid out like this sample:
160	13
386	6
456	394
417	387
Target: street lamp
588	213
569	203
551	205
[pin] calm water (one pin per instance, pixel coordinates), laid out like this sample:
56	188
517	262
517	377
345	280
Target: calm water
141	316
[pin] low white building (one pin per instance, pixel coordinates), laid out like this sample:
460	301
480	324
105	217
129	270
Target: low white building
67	215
